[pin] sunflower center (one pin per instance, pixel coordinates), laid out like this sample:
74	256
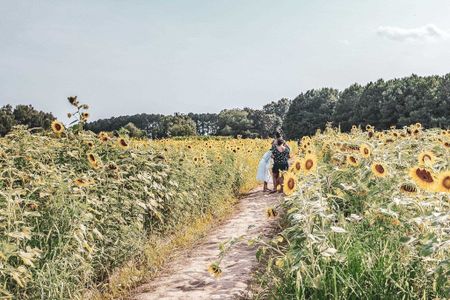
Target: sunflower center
424	175
309	164
366	151
123	143
379	168
447	144
298	165
426	157
291	183
446	182
408	188
352	159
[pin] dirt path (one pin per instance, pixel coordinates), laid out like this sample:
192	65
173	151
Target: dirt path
187	276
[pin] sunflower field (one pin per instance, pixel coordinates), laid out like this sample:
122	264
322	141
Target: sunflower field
368	218
75	206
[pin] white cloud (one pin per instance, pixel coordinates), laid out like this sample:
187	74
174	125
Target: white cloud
428	32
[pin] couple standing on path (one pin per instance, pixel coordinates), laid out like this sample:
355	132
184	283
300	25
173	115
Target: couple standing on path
279	154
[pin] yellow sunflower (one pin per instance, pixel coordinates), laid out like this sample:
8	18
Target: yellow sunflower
297	167
426	157
352	160
443	182
271	212
423	178
289	183
122	143
365	151
378	169
81	182
215	270
93	161
408	188
309	163
84	116
57	127
103	136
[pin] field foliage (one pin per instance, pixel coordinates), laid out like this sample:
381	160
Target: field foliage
370	218
75	206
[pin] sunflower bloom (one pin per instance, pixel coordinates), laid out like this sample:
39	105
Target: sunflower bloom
271	212
353	161
378	169
81	182
103	136
215	270
426	157
365	150
122	143
57	127
408	188
443	182
289	184
423	178
297	166
309	163
93	161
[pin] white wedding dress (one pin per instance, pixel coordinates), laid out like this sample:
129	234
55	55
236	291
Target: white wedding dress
263	173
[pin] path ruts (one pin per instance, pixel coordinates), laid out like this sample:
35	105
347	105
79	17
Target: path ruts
186	277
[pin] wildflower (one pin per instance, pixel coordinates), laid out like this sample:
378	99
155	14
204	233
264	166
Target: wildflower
309	163
93	160
103	136
84	116
408	188
215	270
443	182
378	169
57	127
426	157
423	178
351	160
73	100
289	183
365	150
271	212
81	182
122	143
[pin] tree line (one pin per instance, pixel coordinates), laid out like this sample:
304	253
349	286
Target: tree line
246	122
23	115
396	102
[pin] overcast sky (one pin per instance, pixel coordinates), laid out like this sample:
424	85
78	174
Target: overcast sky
127	57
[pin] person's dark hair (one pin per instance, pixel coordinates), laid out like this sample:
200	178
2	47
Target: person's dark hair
280	141
277	134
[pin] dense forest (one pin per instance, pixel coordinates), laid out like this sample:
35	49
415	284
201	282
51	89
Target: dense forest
396	102
23	115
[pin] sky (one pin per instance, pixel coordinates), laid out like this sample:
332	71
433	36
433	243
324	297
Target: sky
128	57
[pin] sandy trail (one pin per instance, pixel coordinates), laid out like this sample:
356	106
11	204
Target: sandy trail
186	277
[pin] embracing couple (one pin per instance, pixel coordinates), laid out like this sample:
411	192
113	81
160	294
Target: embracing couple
279	155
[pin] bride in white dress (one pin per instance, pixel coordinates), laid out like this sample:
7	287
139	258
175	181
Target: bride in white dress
263	173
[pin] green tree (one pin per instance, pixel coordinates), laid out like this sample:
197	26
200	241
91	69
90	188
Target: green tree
343	111
310	111
279	108
6	119
133	131
178	125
